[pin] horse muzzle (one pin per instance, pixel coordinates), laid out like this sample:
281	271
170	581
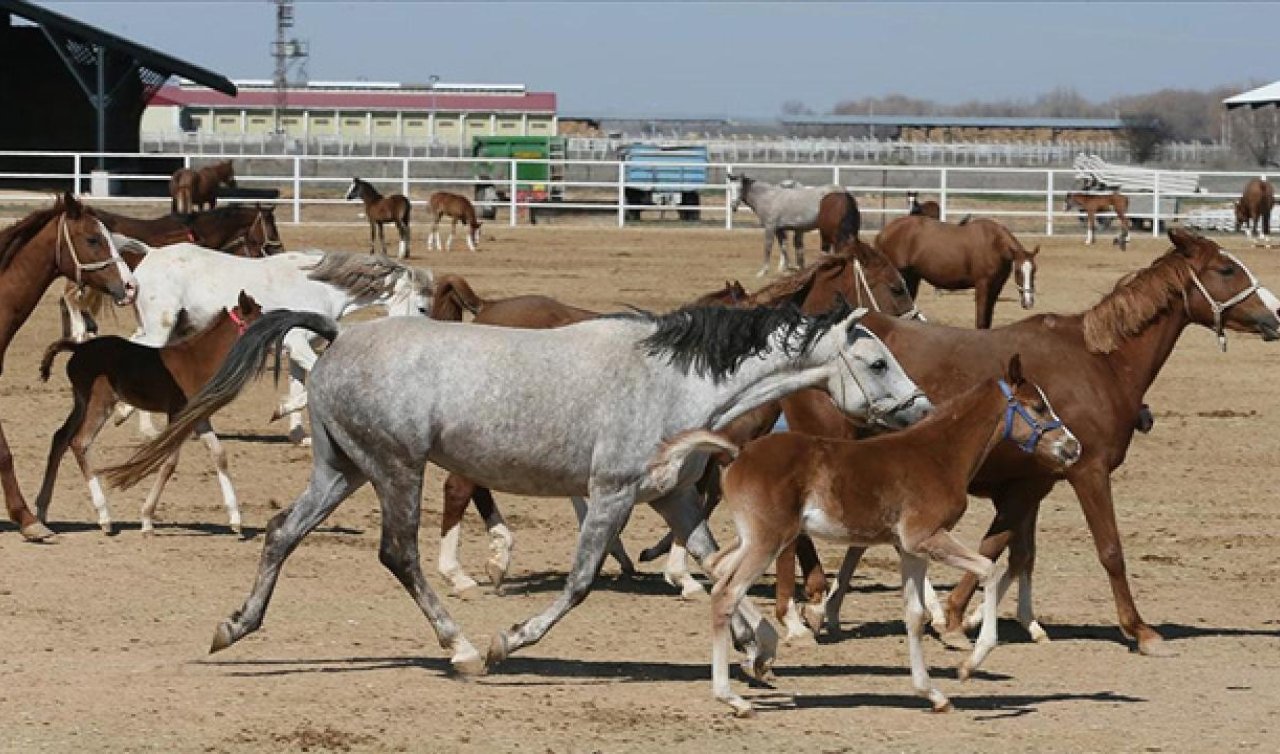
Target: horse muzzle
915	407
1067	451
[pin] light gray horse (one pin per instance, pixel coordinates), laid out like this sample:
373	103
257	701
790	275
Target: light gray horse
577	410
784	207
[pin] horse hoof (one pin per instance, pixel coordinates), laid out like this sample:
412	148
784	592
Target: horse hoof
1037	633
955	640
37	532
965	670
813	616
943	707
148	531
692	590
466	661
1155	647
800	639
107	528
742	709
222	638
496	573
465	588
497	650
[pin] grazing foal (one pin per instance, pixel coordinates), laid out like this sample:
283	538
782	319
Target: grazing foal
457	208
380	210
906	489
103	370
1092	204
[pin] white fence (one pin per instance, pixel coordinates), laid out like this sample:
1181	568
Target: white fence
311	188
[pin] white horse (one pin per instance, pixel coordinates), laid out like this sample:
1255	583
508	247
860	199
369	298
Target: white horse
201	281
576	410
784	207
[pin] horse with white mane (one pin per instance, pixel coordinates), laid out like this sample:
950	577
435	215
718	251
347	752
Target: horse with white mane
334	284
577	410
780	208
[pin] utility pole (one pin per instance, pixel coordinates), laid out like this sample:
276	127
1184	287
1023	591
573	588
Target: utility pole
287	53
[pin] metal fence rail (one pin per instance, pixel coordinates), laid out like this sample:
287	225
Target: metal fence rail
310	187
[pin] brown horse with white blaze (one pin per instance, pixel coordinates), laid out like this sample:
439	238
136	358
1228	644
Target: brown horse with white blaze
1096	367
194	190
1092	204
68	241
905	489
457	208
380	210
1254	207
979	254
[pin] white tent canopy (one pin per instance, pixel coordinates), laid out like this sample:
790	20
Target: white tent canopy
1260	97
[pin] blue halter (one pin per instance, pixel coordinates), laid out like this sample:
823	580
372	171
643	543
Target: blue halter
1014	408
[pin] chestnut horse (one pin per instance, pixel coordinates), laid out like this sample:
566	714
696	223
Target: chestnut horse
928	209
451	297
380	210
194	190
68	241
104	370
1095	367
238	229
457	208
1254	206
979	254
906	489
838	220
1092	204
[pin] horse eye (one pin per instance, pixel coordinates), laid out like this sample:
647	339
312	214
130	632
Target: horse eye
898	290
94	240
879	365
1228	270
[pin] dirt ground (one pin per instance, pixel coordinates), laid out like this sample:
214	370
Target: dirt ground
106	638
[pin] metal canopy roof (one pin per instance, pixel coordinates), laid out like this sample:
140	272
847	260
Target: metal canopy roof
1260	97
146	57
949	121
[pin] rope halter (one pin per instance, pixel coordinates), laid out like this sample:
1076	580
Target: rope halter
1220	307
861	285
1013	410
64	239
875	415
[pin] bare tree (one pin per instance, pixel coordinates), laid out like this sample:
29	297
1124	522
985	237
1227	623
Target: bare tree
1144	133
1255	133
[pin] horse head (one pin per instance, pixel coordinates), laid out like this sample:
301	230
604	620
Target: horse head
85	252
1024	274
226	173
354	190
1031	423
1223	293
264	232
739	186
867	380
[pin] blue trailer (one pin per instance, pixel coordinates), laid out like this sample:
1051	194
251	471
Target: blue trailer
659	176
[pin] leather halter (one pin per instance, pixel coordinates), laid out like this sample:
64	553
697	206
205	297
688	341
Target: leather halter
1014	409
1220	307
242	239
64	238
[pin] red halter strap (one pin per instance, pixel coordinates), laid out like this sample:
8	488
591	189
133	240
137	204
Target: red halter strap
241	325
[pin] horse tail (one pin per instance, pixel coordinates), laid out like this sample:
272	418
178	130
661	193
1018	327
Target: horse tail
664	469
452	295
245	360
850	221
965	220
50	353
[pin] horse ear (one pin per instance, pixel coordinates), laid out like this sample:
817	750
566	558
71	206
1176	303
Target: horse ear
1184	241
1036	250
71	205
1013	375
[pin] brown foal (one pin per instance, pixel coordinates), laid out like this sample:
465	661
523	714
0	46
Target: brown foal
380	210
1092	204
457	208
194	190
906	489
104	370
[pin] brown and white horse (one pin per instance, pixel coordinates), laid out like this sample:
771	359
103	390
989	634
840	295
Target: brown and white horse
68	241
979	254
457	208
108	369
194	190
905	489
379	210
1092	204
1254	207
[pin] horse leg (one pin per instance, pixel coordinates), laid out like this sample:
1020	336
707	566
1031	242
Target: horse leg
945	548
1124	230
1008	519
57	449
302	358
835	595
606	515
768	251
382	237
799	249
453	228
784	603
205	432
153	497
373	232
96	411
457	494
500	538
30	526
914	568
1089	228
784	259
333	478
616	550
984	300
402	228
73	322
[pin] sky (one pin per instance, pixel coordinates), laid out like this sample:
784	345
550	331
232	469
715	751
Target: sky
727	59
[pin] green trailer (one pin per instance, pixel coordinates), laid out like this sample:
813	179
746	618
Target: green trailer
539	181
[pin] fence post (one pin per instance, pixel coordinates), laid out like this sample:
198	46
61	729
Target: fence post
186	159
515	205
622	194
942	193
728	189
835	175
297	190
1048	206
1155	205
404	178
75	167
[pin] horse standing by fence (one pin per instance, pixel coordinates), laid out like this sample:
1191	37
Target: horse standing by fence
457	208
779	208
194	190
1092	204
380	210
978	254
104	370
838	220
906	489
1254	207
69	241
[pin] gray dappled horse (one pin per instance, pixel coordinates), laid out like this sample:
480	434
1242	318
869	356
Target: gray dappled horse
780	208
511	410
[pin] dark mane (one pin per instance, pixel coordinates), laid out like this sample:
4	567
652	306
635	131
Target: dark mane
796	286
20	233
714	341
1135	302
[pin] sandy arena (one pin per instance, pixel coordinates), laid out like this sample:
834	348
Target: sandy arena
106	638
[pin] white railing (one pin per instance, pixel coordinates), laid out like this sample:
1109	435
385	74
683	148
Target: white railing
311	187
